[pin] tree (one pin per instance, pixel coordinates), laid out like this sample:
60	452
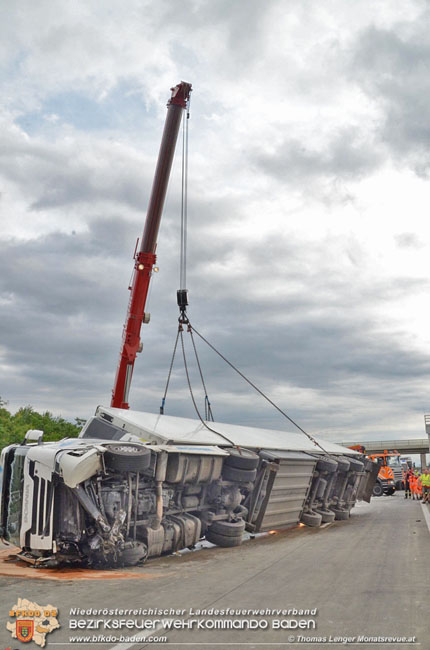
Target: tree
14	427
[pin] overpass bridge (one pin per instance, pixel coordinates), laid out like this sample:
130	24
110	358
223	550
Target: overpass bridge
404	447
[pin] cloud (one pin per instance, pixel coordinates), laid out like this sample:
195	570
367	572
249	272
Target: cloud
307	244
302	341
391	65
323	170
408	240
76	170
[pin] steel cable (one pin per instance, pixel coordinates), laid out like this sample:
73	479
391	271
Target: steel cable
208	409
163	401
315	442
192	395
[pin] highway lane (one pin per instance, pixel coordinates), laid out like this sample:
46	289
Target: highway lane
367	576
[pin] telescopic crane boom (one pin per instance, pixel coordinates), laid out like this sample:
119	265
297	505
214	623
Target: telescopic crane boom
145	258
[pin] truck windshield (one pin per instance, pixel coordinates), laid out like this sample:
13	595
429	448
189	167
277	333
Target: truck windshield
14	507
103	430
393	460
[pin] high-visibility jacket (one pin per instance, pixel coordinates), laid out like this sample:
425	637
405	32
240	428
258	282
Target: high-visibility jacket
425	480
408	475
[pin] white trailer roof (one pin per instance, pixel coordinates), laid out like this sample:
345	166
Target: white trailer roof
164	428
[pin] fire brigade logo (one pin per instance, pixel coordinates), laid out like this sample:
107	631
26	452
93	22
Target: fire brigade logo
32	622
24	630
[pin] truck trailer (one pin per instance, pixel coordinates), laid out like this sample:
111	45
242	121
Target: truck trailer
136	485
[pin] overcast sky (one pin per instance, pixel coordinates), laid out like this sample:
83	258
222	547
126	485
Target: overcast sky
309	236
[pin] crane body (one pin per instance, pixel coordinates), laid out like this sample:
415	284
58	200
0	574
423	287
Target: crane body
145	258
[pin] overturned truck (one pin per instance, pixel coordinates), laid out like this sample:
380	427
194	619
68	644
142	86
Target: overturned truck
136	485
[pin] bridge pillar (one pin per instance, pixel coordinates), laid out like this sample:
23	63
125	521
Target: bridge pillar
423	460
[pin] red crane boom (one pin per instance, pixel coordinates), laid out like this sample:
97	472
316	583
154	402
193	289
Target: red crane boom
145	258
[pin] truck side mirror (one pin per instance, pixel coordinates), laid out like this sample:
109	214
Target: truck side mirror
33	435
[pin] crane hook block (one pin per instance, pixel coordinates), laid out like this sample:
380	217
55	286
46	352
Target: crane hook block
182	297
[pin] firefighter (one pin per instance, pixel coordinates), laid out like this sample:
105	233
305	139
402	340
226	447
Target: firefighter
419	488
417	484
425	480
413	485
409	473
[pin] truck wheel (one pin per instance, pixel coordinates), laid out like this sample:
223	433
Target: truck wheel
127	458
355	465
342	464
238	475
135	553
228	528
340	515
223	540
378	490
243	459
390	491
326	465
311	519
327	516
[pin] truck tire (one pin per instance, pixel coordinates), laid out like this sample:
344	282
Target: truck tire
327	516
340	515
378	490
228	528
311	519
342	464
127	458
238	475
133	554
355	465
390	491
243	459
326	465
223	540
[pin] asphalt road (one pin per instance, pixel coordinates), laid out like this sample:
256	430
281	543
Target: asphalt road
366	577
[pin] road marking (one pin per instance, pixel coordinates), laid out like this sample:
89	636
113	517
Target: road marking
426	515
